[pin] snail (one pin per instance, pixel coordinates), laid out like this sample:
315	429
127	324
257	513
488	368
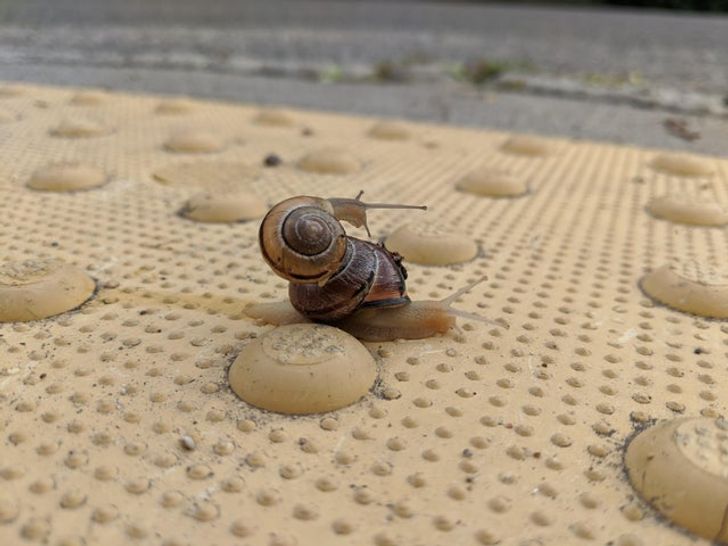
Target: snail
356	285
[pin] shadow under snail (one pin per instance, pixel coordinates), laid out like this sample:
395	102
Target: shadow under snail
350	283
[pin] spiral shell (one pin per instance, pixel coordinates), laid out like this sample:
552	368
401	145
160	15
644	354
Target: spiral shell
302	241
331	274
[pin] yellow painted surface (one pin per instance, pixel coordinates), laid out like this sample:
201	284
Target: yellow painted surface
117	425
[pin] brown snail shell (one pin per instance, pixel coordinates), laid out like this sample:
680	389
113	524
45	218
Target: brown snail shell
370	276
302	241
332	275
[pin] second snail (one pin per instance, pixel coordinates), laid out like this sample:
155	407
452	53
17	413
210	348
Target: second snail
356	285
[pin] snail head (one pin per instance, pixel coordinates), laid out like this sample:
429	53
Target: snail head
354	211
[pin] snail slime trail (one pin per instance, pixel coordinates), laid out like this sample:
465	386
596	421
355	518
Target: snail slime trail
341	280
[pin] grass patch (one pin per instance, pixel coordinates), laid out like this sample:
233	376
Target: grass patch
390	71
483	71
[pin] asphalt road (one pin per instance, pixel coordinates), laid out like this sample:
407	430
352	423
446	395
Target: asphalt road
683	49
604	74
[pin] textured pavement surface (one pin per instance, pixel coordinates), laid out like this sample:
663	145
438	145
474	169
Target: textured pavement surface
612	75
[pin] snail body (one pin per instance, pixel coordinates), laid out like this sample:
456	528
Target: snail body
415	320
356	285
418	320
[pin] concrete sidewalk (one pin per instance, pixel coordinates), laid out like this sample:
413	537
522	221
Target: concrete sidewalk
647	78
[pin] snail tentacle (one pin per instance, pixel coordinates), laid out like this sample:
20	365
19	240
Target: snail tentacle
354	211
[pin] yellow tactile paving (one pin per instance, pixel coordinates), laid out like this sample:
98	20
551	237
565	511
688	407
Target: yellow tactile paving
117	423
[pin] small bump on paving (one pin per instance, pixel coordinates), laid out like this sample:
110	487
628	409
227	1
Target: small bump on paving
117	423
224	207
489	182
689	209
682	465
431	244
389	130
69	176
303	369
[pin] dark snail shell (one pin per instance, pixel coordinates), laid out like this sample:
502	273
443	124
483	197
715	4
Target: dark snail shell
370	276
302	241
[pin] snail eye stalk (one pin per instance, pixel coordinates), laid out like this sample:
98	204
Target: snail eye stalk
354	211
